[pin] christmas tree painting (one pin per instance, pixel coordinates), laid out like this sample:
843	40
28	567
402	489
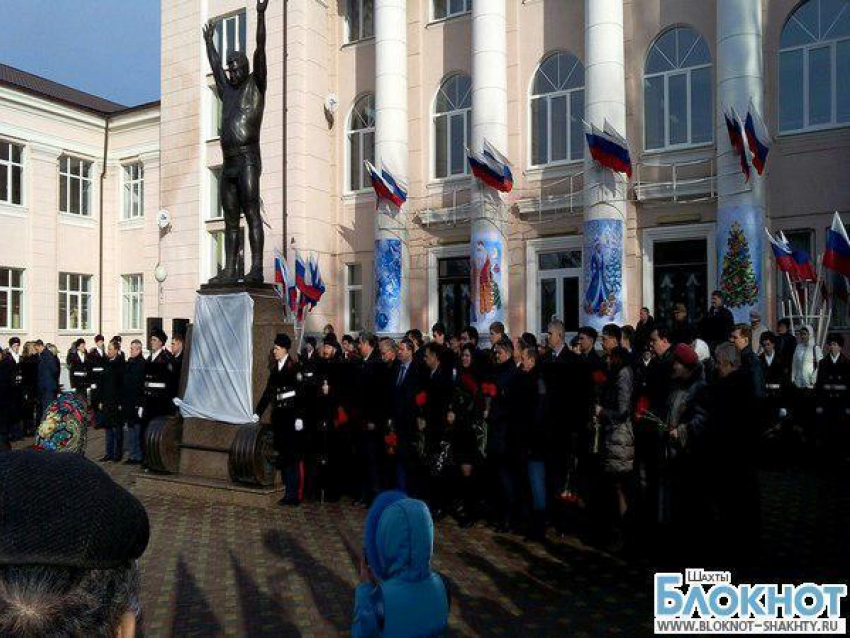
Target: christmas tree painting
738	277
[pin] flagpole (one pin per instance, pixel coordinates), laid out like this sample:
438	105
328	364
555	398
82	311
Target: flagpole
793	299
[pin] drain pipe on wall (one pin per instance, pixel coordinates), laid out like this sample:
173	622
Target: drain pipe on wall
100	230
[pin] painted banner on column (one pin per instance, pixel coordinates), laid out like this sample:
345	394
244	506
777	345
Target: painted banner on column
388	286
739	255
488	249
603	271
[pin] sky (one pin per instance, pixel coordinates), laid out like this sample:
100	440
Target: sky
110	48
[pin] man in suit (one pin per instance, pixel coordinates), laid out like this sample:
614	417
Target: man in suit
718	322
832	396
404	382
47	375
371	410
437	386
133	400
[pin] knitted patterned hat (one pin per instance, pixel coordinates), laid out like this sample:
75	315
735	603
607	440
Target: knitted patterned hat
64	426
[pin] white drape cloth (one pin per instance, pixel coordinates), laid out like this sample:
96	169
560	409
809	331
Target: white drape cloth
219	385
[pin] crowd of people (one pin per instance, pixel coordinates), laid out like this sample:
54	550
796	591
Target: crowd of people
124	392
612	436
617	436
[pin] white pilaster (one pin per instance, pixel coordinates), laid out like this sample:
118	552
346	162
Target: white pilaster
740	78
488	243
604	294
391	311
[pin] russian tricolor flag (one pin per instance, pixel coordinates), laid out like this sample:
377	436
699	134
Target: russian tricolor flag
736	139
837	255
309	282
492	168
609	149
284	283
783	254
758	139
386	186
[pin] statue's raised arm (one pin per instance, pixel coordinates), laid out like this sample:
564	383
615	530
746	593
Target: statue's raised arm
214	57
260	71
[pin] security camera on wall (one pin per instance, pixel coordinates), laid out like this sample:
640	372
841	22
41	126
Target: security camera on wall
163	219
331	106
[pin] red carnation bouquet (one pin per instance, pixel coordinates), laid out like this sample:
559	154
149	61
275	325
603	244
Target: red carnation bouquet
488	389
598	377
421	399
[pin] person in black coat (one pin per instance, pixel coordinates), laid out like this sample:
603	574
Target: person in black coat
16	398
7	378
326	440
718	322
832	398
776	372
132	401
566	374
47	376
109	403
786	342
643	329
532	402
371	410
437	389
503	454
403	384
79	367
159	380
283	393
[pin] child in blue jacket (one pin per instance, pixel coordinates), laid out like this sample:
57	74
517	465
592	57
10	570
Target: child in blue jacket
400	595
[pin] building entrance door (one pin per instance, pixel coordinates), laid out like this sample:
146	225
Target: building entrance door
680	275
559	288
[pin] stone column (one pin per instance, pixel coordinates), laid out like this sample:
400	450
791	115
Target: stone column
392	314
740	205
488	243
604	289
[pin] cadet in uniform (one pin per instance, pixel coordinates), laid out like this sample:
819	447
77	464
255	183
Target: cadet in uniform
832	396
79	367
16	398
159	381
282	393
97	360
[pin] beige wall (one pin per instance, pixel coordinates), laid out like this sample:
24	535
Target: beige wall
44	242
804	182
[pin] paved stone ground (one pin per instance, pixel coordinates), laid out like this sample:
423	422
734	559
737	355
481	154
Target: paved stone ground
216	570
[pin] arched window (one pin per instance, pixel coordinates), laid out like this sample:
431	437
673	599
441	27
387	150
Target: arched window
359	20
814	66
452	126
557	110
677	95
361	141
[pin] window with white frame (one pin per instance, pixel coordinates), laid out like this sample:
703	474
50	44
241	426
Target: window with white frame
75	301
677	92
215	210
361	141
214	115
814	66
134	191
75	185
557	110
452	126
11	298
449	8
132	297
11	173
217	254
230	35
359	20
353	297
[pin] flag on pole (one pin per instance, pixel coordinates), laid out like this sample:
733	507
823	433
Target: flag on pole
758	138
308	279
803	264
736	139
386	185
491	167
783	254
837	255
608	148
284	283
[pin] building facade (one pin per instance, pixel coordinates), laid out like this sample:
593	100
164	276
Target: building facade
410	85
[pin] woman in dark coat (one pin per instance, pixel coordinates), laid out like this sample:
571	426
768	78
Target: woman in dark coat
109	400
503	455
617	449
